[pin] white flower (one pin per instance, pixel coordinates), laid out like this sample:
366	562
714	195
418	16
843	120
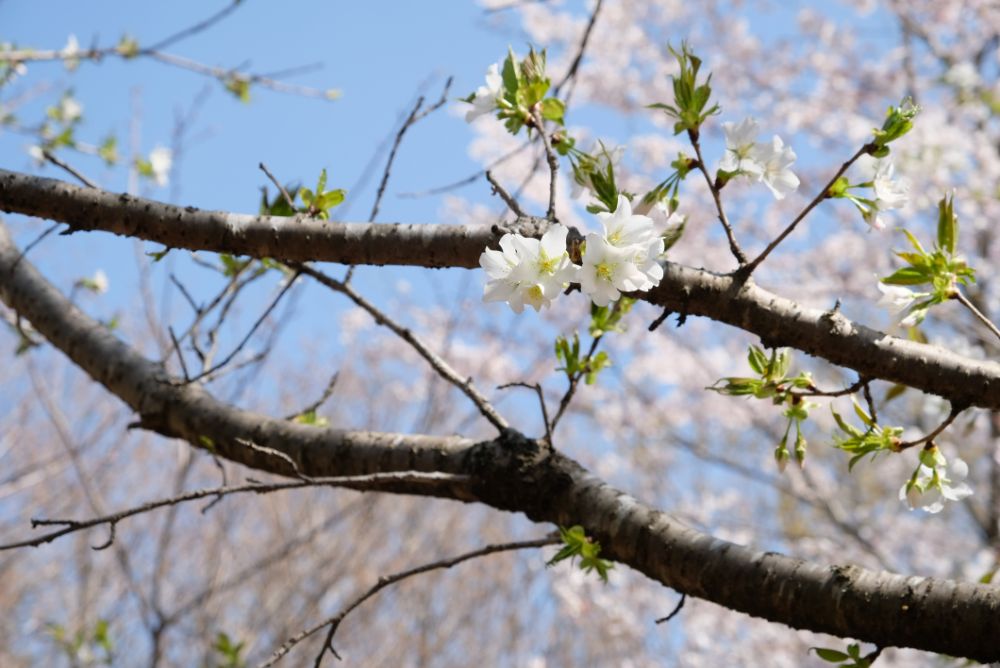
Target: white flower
931	487
624	228
636	235
963	75
604	159
896	298
608	271
37	154
889	194
528	270
100	282
775	160
160	161
740	157
484	100
70	53
69	109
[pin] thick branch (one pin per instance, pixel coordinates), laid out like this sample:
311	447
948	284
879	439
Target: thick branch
776	320
517	474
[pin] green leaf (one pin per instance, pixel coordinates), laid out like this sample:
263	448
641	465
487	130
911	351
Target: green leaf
861	413
830	655
238	86
511	77
757	360
553	110
947	231
895	391
908	276
108	150
914	242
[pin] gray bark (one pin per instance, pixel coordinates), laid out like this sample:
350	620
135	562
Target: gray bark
517	474
725	298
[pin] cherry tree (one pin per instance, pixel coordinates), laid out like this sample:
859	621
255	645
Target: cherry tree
709	380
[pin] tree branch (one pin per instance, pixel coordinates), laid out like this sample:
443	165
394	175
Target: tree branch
517	474
732	300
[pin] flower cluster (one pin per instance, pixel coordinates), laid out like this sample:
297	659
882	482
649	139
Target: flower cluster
624	258
929	487
769	162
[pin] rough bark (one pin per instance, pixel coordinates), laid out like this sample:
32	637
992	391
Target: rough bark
521	475
725	298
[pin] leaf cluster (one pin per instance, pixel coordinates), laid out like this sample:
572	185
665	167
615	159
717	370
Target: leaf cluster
940	268
690	97
870	441
898	121
576	544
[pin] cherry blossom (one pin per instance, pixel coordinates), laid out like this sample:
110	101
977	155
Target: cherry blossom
930	487
484	100
528	271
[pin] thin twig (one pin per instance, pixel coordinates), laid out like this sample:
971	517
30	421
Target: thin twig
822	195
955	411
964	301
327	392
541	402
59	163
277	184
468	180
550	158
359	482
673	613
415	116
249	335
180	355
575	65
193	30
734	247
436	362
574	381
504	195
386	581
867	390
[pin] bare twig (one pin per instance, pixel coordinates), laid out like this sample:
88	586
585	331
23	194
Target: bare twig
504	195
673	613
415	116
386	581
468	180
229	358
734	247
180	354
574	67
59	163
193	30
541	402
277	184
822	195
438	364
374	481
550	158
967	303
955	411
327	392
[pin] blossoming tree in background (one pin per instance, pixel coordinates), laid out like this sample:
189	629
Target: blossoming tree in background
705	309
